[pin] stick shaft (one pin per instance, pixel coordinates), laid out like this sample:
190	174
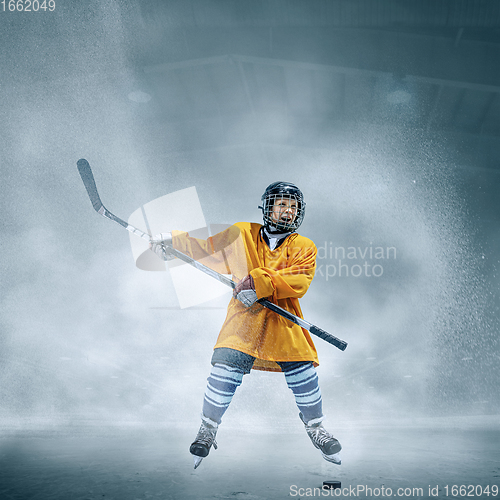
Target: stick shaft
328	337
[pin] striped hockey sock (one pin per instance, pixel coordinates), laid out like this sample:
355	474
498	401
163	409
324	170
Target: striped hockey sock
303	381
222	384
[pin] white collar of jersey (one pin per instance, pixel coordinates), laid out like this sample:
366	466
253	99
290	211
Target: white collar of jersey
274	238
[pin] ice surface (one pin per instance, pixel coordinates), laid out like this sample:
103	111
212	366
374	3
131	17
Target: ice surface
127	463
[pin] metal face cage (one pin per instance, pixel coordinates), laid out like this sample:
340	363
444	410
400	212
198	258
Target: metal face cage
283	212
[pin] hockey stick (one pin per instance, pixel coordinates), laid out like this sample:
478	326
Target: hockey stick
89	182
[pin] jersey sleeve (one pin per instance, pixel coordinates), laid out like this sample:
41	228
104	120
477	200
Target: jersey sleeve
292	278
215	252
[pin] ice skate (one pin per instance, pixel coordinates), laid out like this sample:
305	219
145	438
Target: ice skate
205	438
323	440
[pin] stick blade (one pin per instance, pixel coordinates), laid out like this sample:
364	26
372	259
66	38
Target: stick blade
89	183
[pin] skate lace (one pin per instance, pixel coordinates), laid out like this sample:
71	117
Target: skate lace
206	436
320	435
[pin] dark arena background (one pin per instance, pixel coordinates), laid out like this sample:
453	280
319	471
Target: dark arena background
386	113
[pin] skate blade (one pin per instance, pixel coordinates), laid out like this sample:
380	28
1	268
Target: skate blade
334	459
197	461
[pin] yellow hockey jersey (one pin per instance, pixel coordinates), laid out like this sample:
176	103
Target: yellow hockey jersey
282	276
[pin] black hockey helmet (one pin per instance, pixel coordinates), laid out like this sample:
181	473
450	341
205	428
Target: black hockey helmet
278	191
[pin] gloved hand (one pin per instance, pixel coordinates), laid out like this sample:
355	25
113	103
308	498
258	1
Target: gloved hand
244	291
159	243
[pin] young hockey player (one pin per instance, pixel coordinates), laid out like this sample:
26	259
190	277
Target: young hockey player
272	262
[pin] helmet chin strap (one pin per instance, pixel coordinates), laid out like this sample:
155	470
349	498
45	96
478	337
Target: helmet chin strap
275	232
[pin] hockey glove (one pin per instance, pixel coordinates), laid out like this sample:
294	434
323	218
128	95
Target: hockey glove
159	243
244	291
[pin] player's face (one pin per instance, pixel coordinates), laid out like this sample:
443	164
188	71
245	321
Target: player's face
284	210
